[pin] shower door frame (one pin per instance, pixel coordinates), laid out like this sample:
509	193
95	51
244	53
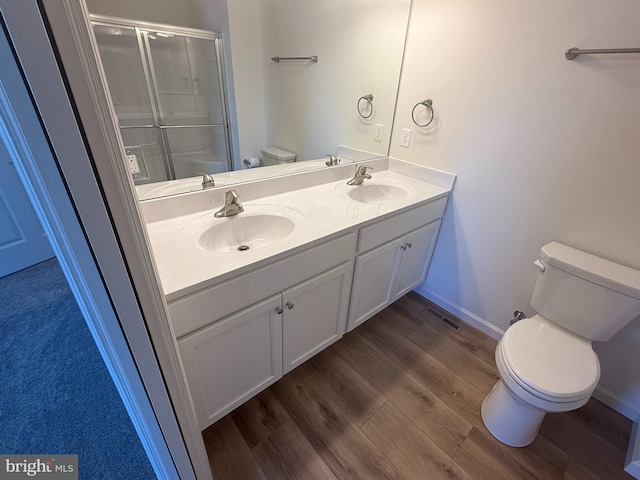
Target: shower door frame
142	29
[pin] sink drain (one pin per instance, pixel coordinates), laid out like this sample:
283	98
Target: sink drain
243	248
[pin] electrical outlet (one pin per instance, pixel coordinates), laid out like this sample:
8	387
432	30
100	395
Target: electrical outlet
379	132
135	163
405	140
132	163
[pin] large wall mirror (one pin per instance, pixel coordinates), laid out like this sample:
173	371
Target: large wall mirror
196	90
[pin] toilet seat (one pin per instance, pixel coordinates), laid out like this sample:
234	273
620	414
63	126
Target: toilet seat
548	361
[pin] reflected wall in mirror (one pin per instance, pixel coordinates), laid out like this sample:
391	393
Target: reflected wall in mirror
302	107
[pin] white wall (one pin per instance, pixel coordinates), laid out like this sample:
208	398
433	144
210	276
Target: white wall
544	148
245	40
203	14
167	11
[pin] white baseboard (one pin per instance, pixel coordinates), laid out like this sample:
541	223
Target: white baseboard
614	401
632	462
465	315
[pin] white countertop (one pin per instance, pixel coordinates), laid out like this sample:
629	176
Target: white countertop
326	212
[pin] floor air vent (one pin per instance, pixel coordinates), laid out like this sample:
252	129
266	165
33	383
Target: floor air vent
443	319
453	325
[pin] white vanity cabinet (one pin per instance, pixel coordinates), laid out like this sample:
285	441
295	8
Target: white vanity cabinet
386	272
230	359
243	325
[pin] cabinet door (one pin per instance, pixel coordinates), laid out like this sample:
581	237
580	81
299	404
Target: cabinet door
315	314
414	262
373	277
232	360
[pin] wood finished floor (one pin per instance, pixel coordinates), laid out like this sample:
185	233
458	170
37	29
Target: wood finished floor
399	398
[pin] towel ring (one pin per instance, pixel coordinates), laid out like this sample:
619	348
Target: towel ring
427	103
369	99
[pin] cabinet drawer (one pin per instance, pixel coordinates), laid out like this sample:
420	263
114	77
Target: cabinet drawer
386	230
206	306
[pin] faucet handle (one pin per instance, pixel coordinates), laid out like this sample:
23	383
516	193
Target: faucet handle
333	160
363	169
231	196
231	205
207	181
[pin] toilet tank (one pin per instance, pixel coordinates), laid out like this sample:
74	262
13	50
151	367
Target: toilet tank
585	294
275	156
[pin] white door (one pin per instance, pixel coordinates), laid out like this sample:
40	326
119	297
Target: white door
22	240
233	359
373	277
314	315
416	256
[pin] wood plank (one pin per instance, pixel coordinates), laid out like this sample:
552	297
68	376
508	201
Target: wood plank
442	381
229	455
338	441
415	454
430	414
482	345
457	357
577	471
352	393
576	438
611	426
287	454
413	305
405	323
258	417
485	458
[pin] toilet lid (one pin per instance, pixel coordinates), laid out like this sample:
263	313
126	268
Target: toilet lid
549	361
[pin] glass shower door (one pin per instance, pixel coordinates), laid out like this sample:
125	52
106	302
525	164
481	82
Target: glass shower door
128	84
167	89
188	82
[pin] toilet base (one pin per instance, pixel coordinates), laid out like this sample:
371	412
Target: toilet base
510	420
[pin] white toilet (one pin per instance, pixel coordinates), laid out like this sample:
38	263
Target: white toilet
546	362
276	156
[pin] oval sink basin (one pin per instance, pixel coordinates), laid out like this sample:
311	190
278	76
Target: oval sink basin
374	191
259	226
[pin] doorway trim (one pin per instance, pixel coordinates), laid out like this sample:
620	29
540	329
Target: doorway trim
101	210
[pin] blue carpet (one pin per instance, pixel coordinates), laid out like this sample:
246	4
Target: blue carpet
56	395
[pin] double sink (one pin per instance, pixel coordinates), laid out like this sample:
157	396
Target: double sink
282	216
263	225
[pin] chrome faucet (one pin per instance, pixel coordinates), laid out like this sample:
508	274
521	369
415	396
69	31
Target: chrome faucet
333	160
360	175
207	181
231	205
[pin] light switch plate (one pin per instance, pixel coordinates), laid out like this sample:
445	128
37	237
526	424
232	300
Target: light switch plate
379	132
405	139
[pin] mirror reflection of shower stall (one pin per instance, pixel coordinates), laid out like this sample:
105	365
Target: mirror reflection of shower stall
168	92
